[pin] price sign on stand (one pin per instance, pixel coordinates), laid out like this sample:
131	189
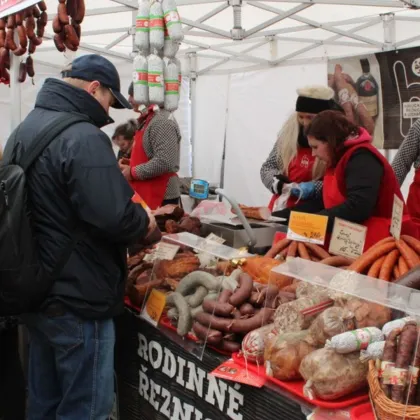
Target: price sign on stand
347	239
163	251
214	238
397	215
306	227
154	307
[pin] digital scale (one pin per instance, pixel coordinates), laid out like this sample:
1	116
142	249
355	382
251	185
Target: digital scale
199	189
237	231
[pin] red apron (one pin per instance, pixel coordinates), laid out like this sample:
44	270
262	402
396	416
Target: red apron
151	190
300	170
377	227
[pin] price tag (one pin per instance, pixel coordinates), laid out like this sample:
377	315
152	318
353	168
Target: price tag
165	251
348	239
397	215
214	238
154	307
307	227
231	371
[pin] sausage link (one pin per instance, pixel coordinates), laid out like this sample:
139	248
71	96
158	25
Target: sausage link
244	290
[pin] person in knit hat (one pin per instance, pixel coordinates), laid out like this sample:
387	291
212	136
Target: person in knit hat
291	158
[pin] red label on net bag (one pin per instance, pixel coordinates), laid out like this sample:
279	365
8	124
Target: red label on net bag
156	23
142	23
154	78
171	87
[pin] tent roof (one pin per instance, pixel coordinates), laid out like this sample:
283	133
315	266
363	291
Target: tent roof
274	32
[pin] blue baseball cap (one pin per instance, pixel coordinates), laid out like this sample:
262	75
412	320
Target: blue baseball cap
92	67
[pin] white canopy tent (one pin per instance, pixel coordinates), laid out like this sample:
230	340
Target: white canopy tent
244	60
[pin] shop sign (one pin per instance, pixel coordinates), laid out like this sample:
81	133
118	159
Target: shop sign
185	391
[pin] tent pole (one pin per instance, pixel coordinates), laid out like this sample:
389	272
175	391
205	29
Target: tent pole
15	92
223	166
193	87
388	22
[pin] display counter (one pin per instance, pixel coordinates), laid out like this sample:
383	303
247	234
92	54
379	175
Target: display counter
158	379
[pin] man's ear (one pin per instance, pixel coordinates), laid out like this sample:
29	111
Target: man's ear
93	87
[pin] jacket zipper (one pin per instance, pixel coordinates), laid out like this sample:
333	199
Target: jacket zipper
9	221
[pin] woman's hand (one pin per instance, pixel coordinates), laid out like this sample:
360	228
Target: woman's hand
305	191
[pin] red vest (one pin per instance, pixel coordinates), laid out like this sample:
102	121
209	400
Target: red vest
153	190
300	170
334	190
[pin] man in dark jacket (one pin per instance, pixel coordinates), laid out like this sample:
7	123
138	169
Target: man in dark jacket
76	190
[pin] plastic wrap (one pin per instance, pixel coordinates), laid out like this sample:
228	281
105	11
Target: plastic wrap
140	84
155	80
141	38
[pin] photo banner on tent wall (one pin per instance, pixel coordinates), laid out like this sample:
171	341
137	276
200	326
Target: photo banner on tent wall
400	74
380	92
357	85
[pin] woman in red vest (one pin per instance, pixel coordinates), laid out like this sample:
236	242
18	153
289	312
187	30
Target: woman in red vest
359	184
155	155
291	158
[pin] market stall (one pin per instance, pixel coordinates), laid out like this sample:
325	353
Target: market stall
311	330
296	322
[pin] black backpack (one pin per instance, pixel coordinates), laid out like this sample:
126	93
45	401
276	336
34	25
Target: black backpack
24	283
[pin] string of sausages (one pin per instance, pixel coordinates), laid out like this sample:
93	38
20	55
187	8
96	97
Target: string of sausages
66	24
26	26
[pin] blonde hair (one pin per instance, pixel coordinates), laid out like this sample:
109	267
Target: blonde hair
287	144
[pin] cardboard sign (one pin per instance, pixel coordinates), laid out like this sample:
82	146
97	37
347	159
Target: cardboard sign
397	215
307	227
154	307
214	238
165	251
348	239
231	371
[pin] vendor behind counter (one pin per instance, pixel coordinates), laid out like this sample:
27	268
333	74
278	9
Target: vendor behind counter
359	183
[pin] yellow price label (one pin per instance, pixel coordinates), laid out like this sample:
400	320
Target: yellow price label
306	227
154	306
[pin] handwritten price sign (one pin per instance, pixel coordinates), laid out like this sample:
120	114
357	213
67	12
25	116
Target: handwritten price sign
397	215
154	307
307	227
348	239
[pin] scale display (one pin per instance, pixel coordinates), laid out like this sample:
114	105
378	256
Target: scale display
199	189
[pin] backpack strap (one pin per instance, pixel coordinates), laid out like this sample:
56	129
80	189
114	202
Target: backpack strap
49	133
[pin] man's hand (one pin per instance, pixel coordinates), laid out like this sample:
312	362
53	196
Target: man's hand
126	171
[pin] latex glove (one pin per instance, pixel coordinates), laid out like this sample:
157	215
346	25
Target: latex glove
306	190
278	182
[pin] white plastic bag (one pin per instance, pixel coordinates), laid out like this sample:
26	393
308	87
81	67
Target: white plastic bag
155	80
142	27
140	83
157	30
281	202
171	86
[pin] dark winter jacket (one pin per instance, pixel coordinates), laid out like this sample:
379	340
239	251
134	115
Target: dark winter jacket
76	187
